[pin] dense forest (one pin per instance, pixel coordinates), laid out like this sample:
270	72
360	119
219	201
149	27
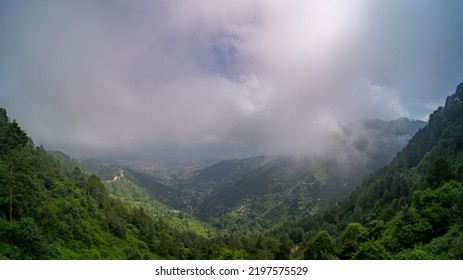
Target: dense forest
50	213
410	209
51	207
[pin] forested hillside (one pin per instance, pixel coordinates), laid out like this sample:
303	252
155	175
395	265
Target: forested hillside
52	209
48	213
410	209
289	187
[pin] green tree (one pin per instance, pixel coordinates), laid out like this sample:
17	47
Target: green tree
414	254
436	206
12	140
270	243
231	254
27	236
439	173
321	247
407	228
351	237
458	208
3	118
371	250
284	250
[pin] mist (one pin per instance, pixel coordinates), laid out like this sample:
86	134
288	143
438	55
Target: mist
90	77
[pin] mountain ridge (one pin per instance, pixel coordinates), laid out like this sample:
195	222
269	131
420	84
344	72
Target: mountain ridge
410	208
309	184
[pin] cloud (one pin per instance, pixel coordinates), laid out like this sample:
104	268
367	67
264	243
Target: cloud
86	76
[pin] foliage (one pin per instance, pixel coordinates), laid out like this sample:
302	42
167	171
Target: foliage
371	250
412	207
351	237
59	214
51	208
321	247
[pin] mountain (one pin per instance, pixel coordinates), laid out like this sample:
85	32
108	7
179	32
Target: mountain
261	192
287	187
160	192
143	190
409	209
47	212
283	207
379	140
268	190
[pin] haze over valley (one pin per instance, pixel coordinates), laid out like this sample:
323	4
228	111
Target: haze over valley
244	129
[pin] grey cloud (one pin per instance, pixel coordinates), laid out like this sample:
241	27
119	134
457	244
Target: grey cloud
86	76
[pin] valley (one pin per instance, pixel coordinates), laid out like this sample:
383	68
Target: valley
259	193
231	130
374	197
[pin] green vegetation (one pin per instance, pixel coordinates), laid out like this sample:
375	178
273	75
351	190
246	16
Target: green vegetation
283	208
137	196
48	214
411	208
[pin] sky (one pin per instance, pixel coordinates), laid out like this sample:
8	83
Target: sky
278	76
